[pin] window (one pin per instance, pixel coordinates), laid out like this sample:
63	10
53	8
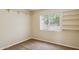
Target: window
51	22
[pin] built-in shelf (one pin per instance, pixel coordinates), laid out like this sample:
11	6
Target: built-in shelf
73	12
70	28
70	24
71	20
70	15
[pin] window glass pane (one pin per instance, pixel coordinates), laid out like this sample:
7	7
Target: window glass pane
50	22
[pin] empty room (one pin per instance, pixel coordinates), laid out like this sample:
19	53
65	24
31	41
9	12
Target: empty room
39	29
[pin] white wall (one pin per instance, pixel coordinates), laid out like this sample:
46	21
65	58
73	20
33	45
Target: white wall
14	28
66	37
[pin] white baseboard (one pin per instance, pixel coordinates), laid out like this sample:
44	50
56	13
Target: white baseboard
7	46
54	43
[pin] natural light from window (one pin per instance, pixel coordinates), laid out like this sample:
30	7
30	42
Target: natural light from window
51	22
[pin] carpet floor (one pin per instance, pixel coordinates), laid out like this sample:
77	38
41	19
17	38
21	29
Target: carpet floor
33	44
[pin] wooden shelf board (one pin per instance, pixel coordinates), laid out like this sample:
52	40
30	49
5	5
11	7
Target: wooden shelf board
70	29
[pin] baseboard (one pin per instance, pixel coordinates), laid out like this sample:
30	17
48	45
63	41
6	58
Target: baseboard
15	43
56	44
39	40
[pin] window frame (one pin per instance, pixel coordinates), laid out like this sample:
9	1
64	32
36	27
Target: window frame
60	22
